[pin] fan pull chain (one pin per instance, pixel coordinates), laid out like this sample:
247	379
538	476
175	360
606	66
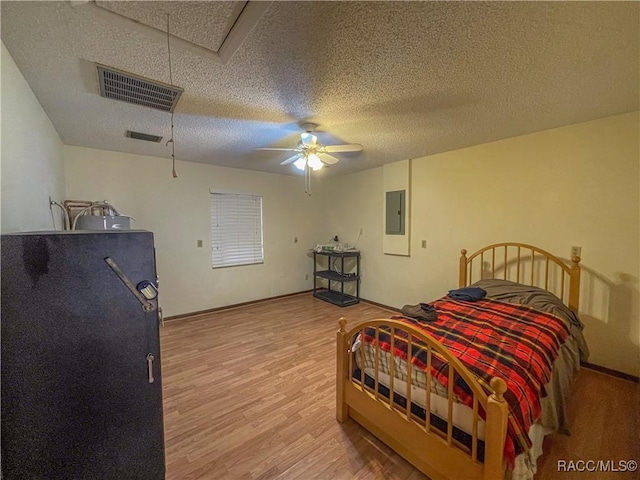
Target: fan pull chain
307	179
170	141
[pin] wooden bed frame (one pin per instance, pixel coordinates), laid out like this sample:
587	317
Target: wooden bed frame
437	454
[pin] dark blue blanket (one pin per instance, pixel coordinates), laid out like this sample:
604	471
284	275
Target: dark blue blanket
467	294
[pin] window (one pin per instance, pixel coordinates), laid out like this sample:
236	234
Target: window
236	229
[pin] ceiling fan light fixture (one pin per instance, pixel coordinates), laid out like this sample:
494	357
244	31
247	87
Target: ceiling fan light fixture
314	161
300	163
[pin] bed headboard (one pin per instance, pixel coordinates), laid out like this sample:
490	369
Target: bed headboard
524	264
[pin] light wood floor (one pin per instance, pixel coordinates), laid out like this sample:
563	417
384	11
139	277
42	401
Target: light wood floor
250	393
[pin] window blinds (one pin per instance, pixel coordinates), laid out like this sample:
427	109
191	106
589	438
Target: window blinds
236	229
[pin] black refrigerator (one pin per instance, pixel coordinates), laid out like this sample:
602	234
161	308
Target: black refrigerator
81	385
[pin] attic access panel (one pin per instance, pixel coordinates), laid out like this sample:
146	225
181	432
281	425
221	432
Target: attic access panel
203	23
237	22
130	88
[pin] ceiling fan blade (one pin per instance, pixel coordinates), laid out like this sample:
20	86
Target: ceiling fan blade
328	159
308	139
278	149
354	147
291	159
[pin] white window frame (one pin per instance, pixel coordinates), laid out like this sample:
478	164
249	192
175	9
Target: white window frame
236	229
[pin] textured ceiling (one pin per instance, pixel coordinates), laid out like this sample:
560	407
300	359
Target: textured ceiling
404	79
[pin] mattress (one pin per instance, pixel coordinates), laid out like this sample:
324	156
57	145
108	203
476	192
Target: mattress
462	415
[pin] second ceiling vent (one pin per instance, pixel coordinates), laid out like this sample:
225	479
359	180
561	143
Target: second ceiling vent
131	88
147	137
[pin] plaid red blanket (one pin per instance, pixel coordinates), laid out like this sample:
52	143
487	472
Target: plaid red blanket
491	338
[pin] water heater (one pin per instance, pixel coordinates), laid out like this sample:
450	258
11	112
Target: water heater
103	222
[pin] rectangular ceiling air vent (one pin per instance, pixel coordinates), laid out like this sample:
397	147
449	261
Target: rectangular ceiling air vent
144	136
131	88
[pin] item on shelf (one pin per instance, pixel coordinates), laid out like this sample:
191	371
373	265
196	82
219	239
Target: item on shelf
334	247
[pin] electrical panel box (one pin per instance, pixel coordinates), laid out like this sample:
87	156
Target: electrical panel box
395	212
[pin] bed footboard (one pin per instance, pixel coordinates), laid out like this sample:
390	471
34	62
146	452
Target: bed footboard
435	452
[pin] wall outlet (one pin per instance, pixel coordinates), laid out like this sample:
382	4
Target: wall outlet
295	239
424	244
576	251
306	277
199	243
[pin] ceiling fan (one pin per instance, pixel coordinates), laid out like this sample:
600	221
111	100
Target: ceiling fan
310	153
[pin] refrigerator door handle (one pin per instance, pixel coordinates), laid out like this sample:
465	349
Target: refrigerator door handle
150	359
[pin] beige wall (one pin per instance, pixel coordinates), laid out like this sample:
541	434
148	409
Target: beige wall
32	167
577	185
178	212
